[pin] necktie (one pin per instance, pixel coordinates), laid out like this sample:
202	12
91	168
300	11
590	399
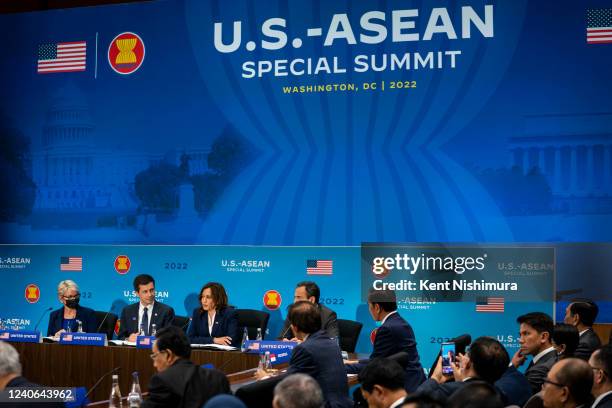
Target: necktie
145	321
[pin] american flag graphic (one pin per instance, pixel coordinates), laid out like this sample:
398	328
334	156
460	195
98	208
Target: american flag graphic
599	26
71	263
62	57
319	267
490	304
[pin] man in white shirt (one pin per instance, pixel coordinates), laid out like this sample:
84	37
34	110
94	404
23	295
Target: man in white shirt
382	383
146	314
601	364
535	339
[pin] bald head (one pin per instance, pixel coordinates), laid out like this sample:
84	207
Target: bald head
576	376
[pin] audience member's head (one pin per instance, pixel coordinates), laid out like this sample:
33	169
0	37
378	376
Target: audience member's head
476	394
487	359
382	382
381	303
170	345
305	318
298	391
565	339
535	330
307	290
601	364
10	367
581	313
568	384
421	400
224	401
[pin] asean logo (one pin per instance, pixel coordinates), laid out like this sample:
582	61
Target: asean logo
126	53
272	300
32	293
122	264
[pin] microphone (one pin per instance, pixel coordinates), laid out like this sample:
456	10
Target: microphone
47	310
284	333
103	320
113	371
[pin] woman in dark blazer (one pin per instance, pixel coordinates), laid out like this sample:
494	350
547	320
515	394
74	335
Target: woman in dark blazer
68	316
215	321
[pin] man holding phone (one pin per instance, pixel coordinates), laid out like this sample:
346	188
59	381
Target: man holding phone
486	360
536	329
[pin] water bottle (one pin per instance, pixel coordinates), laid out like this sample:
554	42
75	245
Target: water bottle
267	361
259	335
245	338
69	328
262	362
135	396
115	397
153	329
80	326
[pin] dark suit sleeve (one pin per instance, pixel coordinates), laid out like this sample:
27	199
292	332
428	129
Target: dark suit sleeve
383	344
536	376
123	330
435	390
302	362
331	325
160	395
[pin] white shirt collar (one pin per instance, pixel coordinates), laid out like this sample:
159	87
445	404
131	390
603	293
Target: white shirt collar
541	353
582	332
602	396
397	403
386	317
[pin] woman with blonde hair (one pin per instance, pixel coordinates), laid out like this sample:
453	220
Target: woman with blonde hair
67	317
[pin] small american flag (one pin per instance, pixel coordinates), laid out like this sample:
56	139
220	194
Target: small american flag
599	26
71	263
319	267
62	57
490	304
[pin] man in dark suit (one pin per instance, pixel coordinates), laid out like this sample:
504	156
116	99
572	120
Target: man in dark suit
179	382
514	387
382	383
139	317
318	355
582	315
601	364
535	332
329	320
394	335
10	377
568	384
486	360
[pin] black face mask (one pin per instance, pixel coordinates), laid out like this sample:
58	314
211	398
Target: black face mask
72	303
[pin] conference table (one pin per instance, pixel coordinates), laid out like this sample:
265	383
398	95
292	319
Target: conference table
56	365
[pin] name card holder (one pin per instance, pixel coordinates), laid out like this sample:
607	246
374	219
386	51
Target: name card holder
144	342
280	351
83	339
21	336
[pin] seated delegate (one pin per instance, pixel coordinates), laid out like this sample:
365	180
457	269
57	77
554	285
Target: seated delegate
67	317
215	321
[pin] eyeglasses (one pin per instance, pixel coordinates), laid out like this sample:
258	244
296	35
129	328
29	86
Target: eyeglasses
71	297
154	355
547	381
